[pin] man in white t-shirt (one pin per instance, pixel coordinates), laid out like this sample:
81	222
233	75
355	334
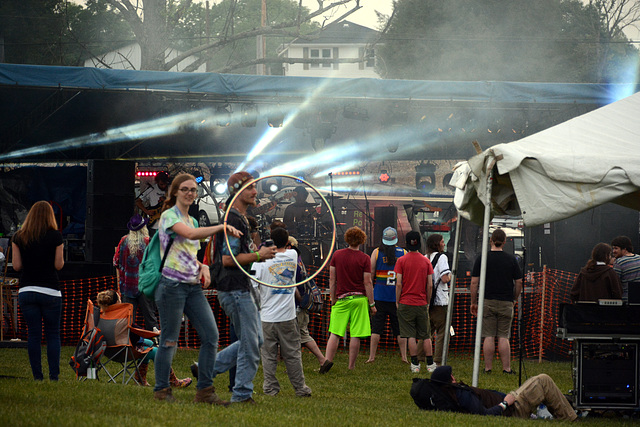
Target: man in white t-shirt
278	316
441	278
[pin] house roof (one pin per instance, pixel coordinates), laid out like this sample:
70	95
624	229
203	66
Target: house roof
343	32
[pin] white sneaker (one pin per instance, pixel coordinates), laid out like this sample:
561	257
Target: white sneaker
432	367
415	368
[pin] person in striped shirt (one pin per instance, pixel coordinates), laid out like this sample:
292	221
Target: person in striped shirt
626	265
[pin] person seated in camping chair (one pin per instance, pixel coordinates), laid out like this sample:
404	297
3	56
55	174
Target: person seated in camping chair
520	403
110	297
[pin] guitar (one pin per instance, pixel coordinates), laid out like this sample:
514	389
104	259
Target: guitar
156	211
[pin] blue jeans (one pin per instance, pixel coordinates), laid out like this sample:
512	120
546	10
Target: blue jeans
38	309
174	298
244	354
147	308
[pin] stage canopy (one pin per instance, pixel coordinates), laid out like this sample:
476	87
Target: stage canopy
70	113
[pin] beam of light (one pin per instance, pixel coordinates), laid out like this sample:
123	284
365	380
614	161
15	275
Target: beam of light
290	116
171	125
267	138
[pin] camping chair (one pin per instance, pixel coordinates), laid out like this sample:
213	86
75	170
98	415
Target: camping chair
116	323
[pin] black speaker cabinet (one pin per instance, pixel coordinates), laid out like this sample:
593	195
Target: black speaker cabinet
607	375
111	177
385	216
110	204
100	243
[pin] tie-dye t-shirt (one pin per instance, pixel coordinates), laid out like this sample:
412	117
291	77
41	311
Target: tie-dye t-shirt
182	262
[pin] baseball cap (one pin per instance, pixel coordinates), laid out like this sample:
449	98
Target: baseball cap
389	236
413	240
237	180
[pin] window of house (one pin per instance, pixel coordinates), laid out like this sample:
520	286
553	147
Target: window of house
314	54
325	53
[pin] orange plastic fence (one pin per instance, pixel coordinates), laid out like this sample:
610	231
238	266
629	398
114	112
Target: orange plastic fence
536	318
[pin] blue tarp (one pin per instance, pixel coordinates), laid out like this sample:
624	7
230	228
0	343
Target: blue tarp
250	86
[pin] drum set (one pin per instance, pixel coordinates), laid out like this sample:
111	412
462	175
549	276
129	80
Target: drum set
309	222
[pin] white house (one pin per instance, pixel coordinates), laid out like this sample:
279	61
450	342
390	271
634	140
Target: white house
129	58
343	39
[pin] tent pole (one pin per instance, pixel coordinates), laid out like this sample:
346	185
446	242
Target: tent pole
483	274
452	288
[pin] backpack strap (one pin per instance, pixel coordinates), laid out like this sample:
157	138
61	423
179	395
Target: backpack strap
437	282
166	252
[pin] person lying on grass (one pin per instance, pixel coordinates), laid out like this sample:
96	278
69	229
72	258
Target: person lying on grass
520	403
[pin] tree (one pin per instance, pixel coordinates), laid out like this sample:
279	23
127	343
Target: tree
519	40
612	18
33	31
154	21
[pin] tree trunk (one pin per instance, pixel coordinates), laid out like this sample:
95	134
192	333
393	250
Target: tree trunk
154	40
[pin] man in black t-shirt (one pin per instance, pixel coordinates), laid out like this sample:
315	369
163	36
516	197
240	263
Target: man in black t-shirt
235	293
503	287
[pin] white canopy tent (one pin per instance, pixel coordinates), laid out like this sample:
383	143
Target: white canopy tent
552	175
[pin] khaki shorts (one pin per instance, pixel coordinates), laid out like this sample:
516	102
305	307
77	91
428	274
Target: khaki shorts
497	318
414	321
303	324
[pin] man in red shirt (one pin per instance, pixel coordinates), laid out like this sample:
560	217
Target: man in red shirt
351	297
413	292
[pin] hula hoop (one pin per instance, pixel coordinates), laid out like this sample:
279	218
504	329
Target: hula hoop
333	236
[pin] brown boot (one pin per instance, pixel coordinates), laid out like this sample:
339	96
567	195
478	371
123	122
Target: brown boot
175	382
208	395
164	394
141	375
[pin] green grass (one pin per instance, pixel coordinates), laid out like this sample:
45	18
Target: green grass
371	395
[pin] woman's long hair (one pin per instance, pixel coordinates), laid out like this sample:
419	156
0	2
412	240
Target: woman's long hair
601	252
389	252
173	190
39	220
136	241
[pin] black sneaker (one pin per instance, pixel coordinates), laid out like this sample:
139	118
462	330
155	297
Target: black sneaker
511	372
487	371
194	370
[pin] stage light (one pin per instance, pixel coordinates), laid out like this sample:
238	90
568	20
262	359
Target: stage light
425	176
271	186
392	145
249	115
147	174
219	186
223	115
275	119
218	179
385	177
